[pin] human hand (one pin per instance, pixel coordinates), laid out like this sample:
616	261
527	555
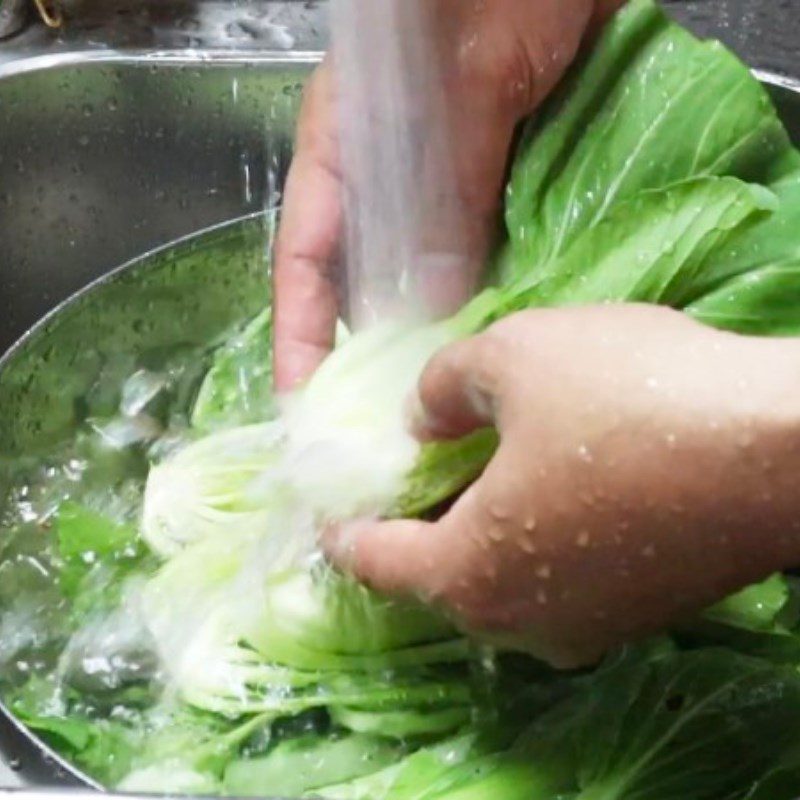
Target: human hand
500	60
647	468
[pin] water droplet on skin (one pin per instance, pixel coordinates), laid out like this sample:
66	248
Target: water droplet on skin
544	571
497	535
671	439
585	454
541	597
649	551
583	539
527	546
500	513
530	524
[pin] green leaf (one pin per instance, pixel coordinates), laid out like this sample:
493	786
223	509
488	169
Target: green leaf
300	765
403	724
90	542
103	749
651	106
651	247
454	465
83	532
237	390
703	724
756	608
752	285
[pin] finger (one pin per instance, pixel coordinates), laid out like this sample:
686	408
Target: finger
459	389
306	253
399	558
408	558
604	10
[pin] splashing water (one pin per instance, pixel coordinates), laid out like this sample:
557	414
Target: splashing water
403	216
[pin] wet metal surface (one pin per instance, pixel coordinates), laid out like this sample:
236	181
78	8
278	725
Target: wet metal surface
766	33
104	155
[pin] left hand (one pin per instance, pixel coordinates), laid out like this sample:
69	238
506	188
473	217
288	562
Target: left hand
500	59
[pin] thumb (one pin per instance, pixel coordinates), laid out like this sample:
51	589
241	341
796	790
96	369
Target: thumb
459	391
410	558
399	557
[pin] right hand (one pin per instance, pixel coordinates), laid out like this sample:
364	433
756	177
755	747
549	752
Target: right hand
648	467
501	58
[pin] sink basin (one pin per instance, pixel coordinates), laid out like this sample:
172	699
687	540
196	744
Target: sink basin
104	157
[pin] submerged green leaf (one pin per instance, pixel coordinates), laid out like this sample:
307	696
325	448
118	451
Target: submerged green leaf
298	766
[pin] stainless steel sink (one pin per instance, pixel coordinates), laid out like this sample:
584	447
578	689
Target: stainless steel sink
105	156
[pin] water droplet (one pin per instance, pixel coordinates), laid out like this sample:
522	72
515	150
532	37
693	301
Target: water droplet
541	597
583	539
544	571
530	524
648	551
585	454
527	546
499	512
496	534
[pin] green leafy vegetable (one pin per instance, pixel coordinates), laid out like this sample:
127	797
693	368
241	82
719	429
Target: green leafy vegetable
87	539
299	766
233	661
237	390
